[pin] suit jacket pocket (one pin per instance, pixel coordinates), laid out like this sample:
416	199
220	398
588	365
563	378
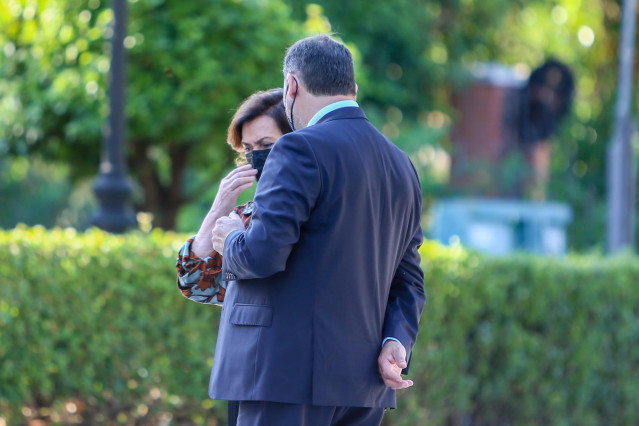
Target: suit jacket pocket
256	315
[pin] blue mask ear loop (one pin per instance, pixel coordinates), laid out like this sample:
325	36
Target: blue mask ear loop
290	122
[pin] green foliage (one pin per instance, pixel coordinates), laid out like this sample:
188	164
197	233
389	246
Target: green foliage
525	340
52	80
94	323
416	52
97	321
189	65
412	50
31	192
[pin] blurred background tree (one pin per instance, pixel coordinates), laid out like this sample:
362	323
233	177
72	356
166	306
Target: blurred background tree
190	65
417	52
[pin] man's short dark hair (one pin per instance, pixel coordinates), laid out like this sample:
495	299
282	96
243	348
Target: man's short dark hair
324	65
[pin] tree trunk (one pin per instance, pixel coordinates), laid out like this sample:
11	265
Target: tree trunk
173	197
162	200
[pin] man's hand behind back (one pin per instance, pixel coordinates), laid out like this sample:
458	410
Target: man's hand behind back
391	362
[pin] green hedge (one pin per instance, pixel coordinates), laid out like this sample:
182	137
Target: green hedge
94	323
525	340
93	329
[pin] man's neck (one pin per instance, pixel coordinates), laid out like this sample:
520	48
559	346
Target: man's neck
316	103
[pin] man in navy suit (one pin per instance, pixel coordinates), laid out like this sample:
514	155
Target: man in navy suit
323	309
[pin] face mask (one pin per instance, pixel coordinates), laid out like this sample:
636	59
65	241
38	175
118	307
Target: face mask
257	159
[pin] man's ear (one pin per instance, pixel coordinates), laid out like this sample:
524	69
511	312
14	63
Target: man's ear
291	82
356	88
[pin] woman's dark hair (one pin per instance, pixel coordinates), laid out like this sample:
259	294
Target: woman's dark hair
269	103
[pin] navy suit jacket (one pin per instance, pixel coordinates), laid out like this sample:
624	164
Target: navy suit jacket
327	268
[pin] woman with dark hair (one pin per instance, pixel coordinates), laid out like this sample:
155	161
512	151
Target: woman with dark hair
257	124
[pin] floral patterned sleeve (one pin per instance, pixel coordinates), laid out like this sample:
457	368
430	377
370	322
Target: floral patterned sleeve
200	279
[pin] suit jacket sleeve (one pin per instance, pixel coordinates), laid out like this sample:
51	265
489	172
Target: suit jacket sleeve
285	196
406	298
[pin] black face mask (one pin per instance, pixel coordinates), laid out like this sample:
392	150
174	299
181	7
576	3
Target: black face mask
257	159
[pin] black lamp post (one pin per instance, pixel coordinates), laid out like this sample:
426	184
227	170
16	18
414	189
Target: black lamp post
112	186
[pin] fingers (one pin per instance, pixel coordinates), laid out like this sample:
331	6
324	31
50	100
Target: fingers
238	183
391	375
391	362
217	241
226	224
235	220
223	227
237	179
232	186
225	220
394	381
245	170
399	356
239	169
404	385
396	352
389	370
218	244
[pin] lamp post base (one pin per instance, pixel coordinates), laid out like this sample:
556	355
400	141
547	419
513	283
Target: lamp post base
114	213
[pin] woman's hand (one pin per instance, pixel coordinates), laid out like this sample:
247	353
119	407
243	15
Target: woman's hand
236	182
231	187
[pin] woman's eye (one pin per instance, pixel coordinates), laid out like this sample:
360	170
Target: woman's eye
267	145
